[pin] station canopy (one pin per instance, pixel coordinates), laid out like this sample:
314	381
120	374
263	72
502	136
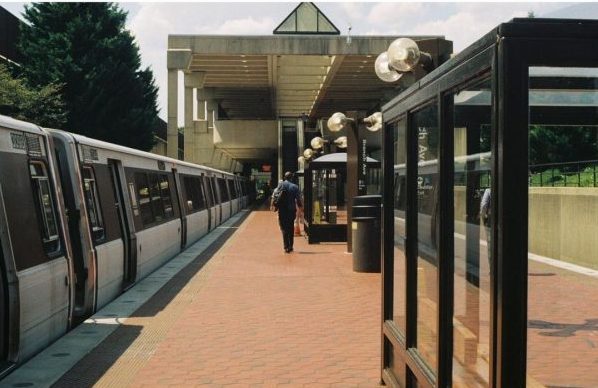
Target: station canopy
305	68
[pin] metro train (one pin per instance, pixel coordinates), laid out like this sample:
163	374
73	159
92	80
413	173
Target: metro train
82	220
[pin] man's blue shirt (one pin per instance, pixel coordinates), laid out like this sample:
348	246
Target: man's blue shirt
291	197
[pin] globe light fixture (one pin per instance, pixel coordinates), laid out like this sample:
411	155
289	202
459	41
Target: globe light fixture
337	121
308	153
383	69
317	143
403	56
341	142
374	121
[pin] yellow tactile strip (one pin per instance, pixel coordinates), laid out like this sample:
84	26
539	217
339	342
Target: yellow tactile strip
116	361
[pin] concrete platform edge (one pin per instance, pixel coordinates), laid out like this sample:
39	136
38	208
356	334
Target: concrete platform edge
51	364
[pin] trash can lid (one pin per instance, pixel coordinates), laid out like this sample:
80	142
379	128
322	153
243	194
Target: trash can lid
363	218
372	200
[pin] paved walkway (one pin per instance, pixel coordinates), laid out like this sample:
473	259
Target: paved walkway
251	316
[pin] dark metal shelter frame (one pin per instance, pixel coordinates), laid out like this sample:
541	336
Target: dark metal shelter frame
334	188
498	63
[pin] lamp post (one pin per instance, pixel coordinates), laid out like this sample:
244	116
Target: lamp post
356	145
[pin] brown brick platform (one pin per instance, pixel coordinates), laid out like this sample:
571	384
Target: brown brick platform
251	316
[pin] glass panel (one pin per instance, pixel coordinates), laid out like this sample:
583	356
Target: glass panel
155	194
92	203
288	25
217	198
307	17
562	228
471	323
193	194
165	195
397	366
51	231
45	206
399	306
328	196
324	25
145	206
426	125
223	191
374	181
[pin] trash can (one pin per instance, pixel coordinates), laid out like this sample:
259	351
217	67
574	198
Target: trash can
365	233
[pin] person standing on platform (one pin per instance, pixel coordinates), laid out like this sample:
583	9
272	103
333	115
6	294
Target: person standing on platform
289	201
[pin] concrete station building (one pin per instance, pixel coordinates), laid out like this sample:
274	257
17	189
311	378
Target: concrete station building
251	101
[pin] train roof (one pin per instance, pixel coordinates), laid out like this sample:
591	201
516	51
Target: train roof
9	122
132	151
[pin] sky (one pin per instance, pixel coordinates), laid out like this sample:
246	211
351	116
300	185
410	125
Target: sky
462	22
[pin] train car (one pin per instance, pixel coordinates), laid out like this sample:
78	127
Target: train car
36	262
82	220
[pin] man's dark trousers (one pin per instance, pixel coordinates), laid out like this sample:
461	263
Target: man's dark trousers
286	220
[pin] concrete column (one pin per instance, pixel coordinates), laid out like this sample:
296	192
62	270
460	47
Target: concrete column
172	147
193	80
279	172
203	133
189	127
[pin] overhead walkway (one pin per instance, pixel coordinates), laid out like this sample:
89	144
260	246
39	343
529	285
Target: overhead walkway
233	310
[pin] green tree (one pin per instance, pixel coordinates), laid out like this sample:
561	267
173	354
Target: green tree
86	48
560	144
42	107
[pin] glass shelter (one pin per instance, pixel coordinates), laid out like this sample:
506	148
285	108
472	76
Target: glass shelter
490	222
326	196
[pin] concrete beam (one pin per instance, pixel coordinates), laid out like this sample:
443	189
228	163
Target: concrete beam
178	59
195	79
285	44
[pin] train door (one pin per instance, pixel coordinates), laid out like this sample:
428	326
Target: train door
217	200
208	199
125	218
182	209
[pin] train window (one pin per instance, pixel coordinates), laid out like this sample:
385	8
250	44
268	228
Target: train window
223	191
194	196
231	188
425	125
93	204
156	197
143	191
217	198
45	206
165	195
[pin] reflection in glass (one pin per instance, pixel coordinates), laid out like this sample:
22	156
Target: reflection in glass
472	200
397	365
562	335
399	306
426	125
328	196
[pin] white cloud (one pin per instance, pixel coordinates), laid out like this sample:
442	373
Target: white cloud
245	26
354	11
383	13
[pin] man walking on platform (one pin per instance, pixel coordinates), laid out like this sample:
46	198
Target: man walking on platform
289	201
